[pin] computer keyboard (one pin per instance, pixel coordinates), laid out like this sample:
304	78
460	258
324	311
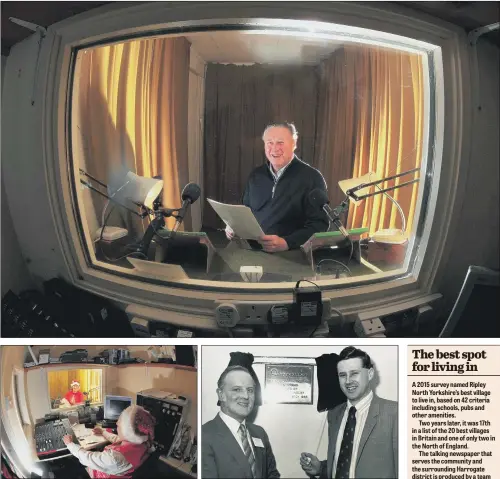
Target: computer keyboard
106	423
48	436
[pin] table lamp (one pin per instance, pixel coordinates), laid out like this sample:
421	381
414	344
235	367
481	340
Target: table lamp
358	189
124	185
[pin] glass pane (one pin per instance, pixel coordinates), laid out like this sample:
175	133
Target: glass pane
287	127
72	387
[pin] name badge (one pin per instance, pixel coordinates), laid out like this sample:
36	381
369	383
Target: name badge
257	442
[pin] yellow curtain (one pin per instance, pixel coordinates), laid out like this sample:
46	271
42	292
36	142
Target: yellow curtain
90	381
389	126
133	111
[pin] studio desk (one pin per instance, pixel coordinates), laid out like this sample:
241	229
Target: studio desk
164	466
199	259
158	466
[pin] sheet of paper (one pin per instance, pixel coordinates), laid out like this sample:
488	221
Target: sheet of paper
239	218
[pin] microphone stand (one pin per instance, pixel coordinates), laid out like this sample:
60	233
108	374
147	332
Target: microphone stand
351	193
157	223
146	211
334	214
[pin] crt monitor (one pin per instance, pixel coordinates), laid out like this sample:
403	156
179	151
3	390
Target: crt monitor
114	406
477	309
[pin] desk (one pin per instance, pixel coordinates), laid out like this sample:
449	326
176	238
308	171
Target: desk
86	439
229	257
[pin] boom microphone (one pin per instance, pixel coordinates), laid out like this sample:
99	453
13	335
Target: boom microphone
319	198
190	194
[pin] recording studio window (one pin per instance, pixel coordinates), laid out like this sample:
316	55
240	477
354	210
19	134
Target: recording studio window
206	115
70	388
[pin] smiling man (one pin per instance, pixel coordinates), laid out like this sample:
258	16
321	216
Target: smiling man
277	192
73	396
231	446
362	432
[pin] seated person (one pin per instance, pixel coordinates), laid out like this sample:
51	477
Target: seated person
73	396
277	193
128	450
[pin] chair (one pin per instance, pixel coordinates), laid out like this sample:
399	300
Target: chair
149	468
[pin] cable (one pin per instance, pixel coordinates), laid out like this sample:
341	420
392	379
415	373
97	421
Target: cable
339	313
314	330
115	260
107	258
352	251
307	281
334	261
104	220
398	206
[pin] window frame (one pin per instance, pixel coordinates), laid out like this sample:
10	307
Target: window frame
449	144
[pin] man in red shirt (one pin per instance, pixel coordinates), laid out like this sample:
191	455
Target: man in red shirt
74	396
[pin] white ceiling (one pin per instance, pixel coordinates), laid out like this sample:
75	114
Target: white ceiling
249	47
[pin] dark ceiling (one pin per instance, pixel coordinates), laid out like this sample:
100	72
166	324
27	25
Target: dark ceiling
468	15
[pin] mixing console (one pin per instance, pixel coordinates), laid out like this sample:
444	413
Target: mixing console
48	437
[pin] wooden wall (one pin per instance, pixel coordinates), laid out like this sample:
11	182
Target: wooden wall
59	382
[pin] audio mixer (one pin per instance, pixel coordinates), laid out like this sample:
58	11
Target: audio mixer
49	437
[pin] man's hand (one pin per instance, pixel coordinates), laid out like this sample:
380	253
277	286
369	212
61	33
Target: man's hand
273	243
97	431
310	464
67	439
229	233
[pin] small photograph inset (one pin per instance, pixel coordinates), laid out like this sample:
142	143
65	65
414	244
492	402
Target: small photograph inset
99	411
299	411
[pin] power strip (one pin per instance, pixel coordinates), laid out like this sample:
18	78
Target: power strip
369	328
231	313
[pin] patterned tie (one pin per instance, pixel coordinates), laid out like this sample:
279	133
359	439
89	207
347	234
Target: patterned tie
344	460
242	431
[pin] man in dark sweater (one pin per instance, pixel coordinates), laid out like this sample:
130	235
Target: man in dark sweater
278	193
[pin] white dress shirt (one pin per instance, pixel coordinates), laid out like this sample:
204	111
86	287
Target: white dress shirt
234	426
362	408
109	461
277	174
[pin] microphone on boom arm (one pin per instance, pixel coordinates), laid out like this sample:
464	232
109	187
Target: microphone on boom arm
190	195
319	198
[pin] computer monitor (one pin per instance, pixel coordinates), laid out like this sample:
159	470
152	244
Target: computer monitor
114	406
477	309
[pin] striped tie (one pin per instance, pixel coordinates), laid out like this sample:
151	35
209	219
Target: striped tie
344	459
247	450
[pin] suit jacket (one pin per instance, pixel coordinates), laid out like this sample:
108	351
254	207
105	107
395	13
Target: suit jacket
378	447
222	456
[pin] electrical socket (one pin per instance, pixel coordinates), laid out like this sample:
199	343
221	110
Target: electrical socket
369	328
255	312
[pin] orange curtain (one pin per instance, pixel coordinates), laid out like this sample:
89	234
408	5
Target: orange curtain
133	99
389	127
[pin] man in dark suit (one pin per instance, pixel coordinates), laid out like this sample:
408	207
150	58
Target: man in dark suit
232	447
362	432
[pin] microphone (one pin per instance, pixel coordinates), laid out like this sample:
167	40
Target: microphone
319	198
190	194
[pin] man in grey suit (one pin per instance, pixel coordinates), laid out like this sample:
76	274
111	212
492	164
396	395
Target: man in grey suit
362	432
232	447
